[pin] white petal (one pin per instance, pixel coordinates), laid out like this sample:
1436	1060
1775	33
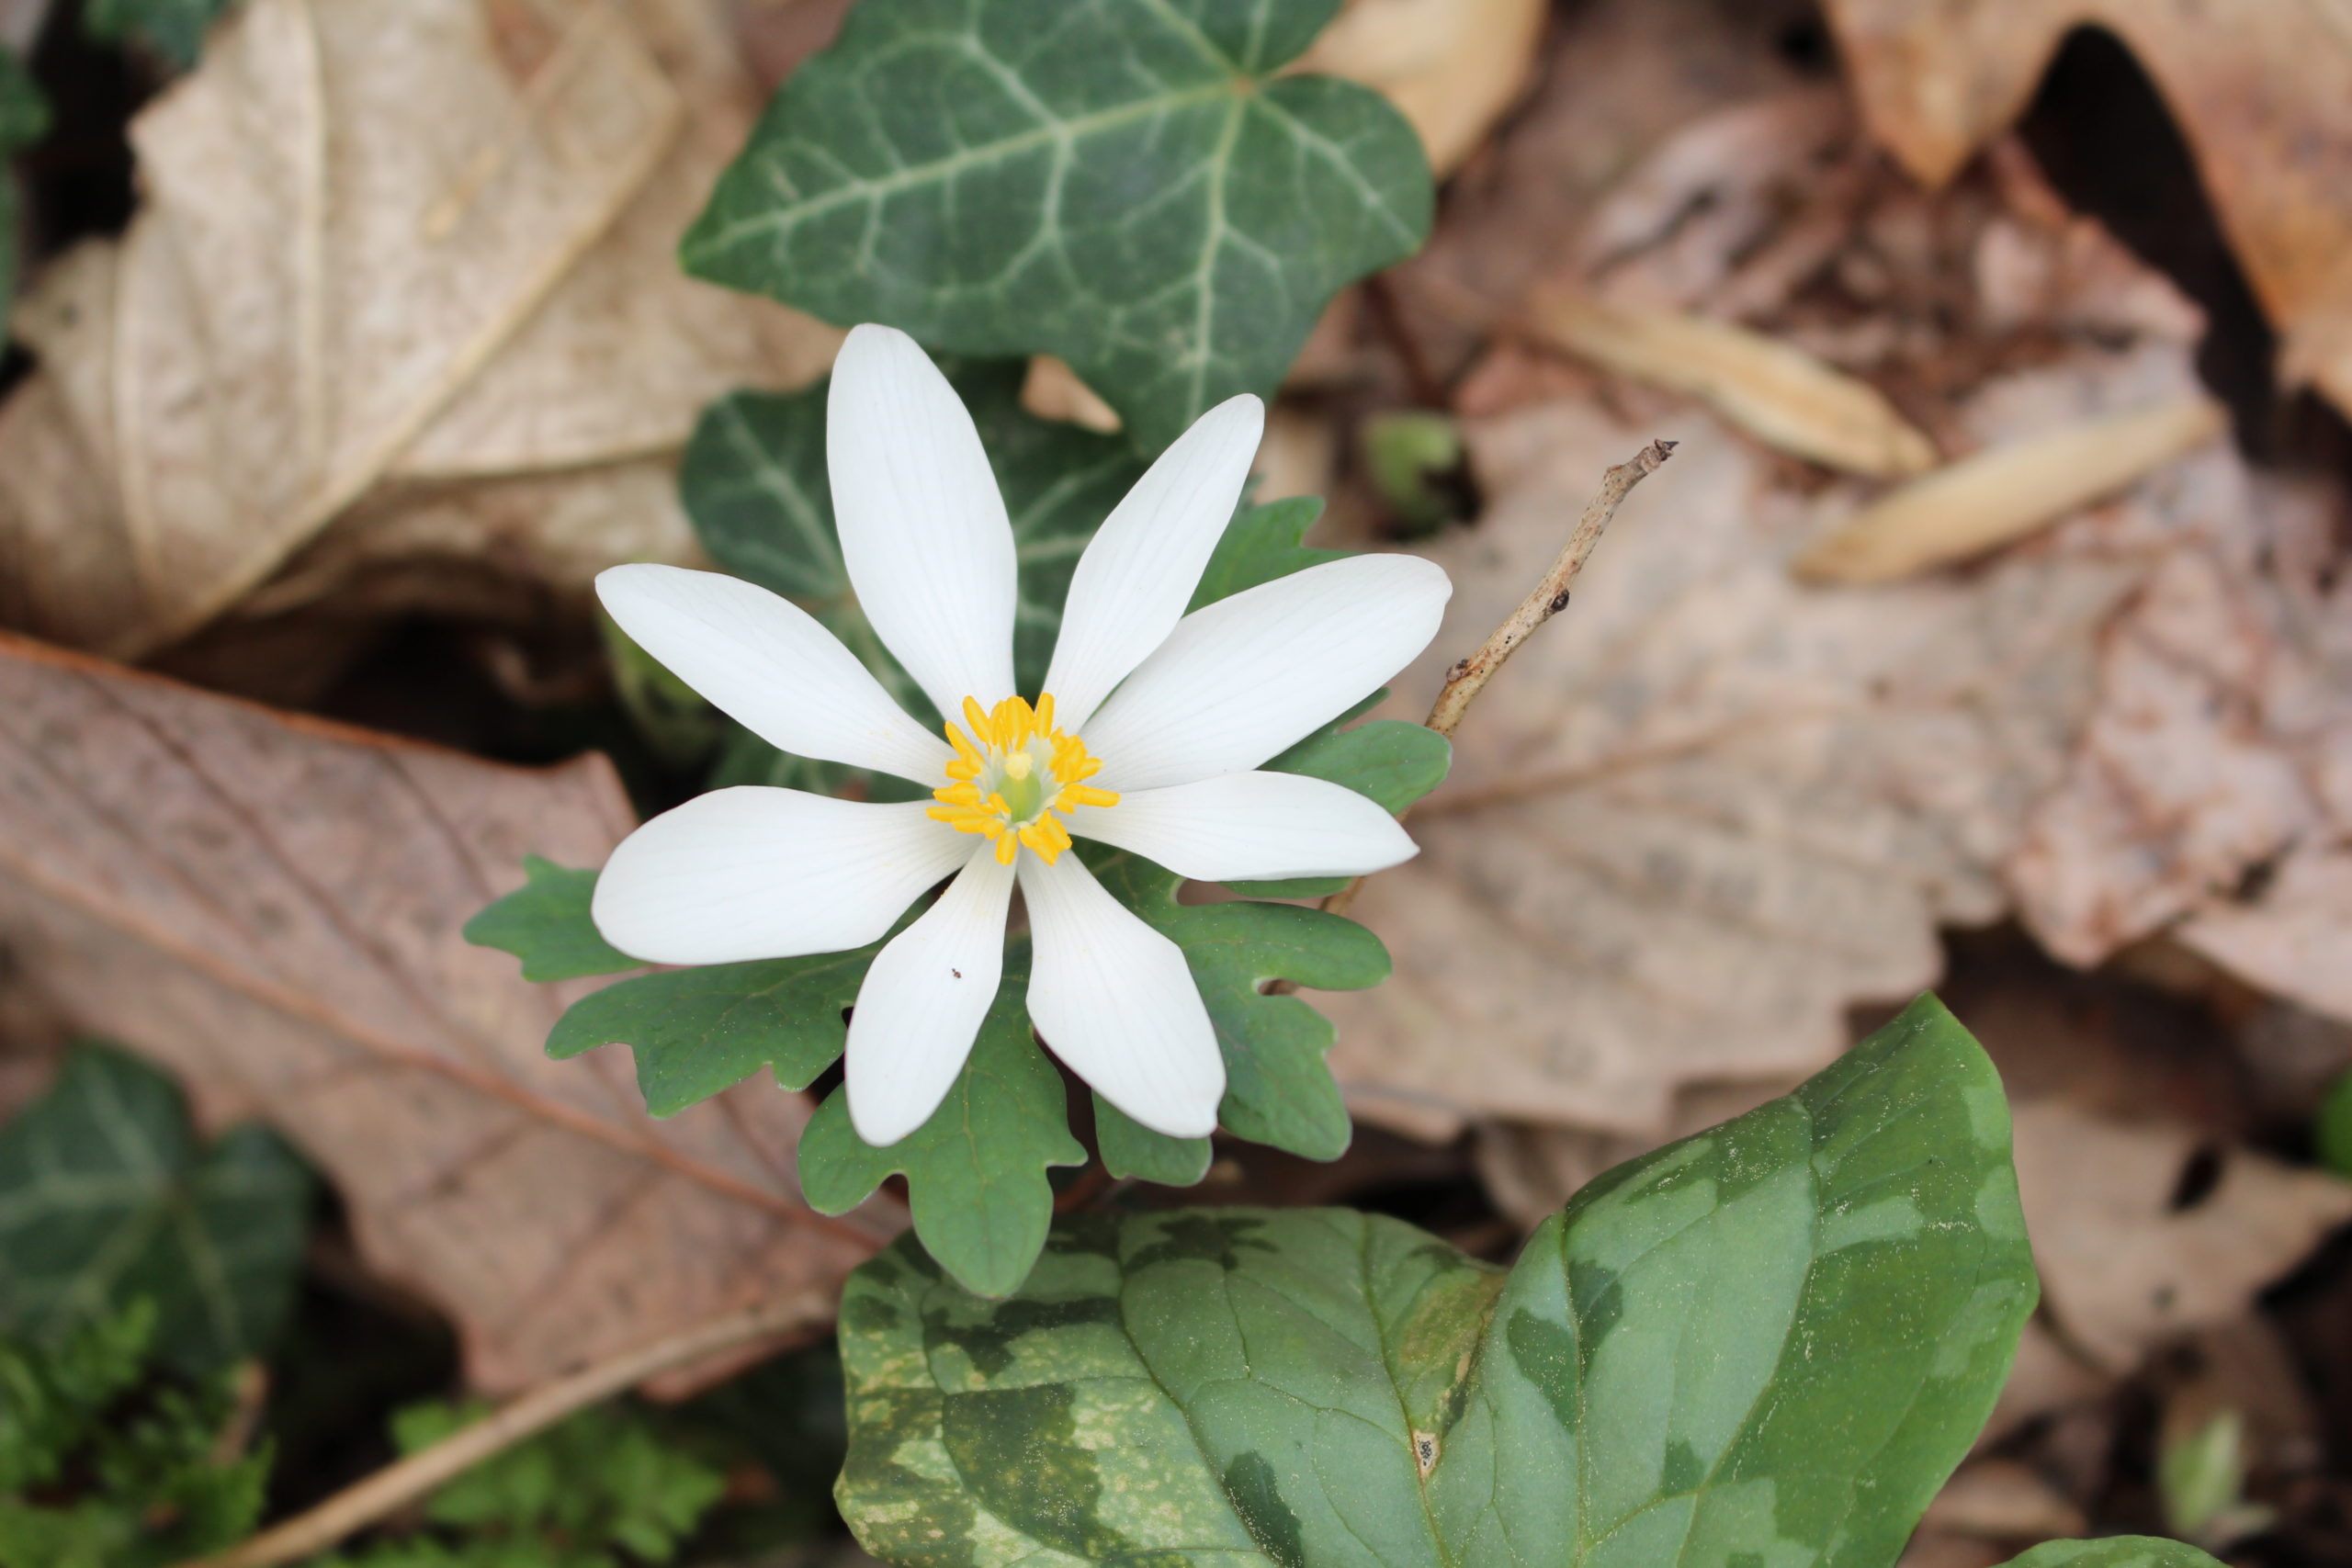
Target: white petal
923	530
1244	827
1139	570
1237	681
922	1003
765	663
756	873
1115	1000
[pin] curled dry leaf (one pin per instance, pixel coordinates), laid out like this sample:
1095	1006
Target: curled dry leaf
1782	396
2262	92
1452	66
2125	1266
2000	495
271	906
419	242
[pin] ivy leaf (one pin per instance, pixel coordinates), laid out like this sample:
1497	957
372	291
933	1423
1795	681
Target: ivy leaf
975	1172
174	29
1126	183
546	923
1773	1341
105	1198
2114	1551
1277	1088
24	120
696	1031
753	484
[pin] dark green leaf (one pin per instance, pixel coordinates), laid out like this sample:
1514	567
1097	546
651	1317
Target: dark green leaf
1277	1088
1124	183
1131	1149
546	923
24	120
24	112
105	1197
1261	545
1767	1343
696	1031
2332	1133
975	1172
172	29
2114	1551
753	484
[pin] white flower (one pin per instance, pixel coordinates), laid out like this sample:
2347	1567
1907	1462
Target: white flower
1176	711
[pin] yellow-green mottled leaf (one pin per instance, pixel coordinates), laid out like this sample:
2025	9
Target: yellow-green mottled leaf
1768	1344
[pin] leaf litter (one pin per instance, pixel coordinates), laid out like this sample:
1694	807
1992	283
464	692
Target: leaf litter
1734	797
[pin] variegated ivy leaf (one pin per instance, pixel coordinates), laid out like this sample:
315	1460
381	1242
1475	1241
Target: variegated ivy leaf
108	1198
1767	1343
754	486
1127	183
24	120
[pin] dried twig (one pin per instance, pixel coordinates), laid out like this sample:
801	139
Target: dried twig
396	1486
1469	677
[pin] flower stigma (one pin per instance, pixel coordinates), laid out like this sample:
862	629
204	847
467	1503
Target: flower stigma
1013	772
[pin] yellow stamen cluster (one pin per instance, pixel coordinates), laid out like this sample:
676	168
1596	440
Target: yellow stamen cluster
1013	773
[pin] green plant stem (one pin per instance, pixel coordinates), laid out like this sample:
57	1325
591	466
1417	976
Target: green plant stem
397	1485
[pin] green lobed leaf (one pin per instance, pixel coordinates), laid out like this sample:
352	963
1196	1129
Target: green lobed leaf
976	1170
1124	183
696	1031
1262	543
1131	1149
105	1198
1277	1090
1769	1343
546	923
172	29
2114	1551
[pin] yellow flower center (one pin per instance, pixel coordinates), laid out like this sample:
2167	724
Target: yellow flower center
1013	773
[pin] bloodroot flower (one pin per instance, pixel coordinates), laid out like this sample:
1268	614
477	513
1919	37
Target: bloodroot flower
1147	737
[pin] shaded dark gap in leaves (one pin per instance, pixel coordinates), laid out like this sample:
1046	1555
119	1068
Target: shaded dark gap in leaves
355	1350
2103	135
2200	1176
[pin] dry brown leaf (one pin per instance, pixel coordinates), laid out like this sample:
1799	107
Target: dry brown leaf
1619	76
2000	495
1782	396
425	241
270	906
1708	808
1451	66
2263	93
2294	937
2124	1267
2000	1499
